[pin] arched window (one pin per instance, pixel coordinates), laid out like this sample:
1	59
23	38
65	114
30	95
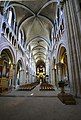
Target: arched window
19	37
62	24
10	17
58	18
4	27
52	36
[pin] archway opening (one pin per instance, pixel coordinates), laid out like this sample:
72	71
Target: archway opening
6	70
19	69
63	67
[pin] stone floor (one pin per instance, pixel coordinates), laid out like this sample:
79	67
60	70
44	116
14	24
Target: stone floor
37	105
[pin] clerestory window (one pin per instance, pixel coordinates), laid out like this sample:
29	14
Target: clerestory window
10	17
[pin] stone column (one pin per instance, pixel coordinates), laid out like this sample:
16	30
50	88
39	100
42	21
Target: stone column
53	76
47	70
59	73
14	75
21	76
50	72
74	59
0	22
30	76
60	70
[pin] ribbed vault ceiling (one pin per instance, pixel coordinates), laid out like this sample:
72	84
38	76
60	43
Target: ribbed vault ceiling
36	17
